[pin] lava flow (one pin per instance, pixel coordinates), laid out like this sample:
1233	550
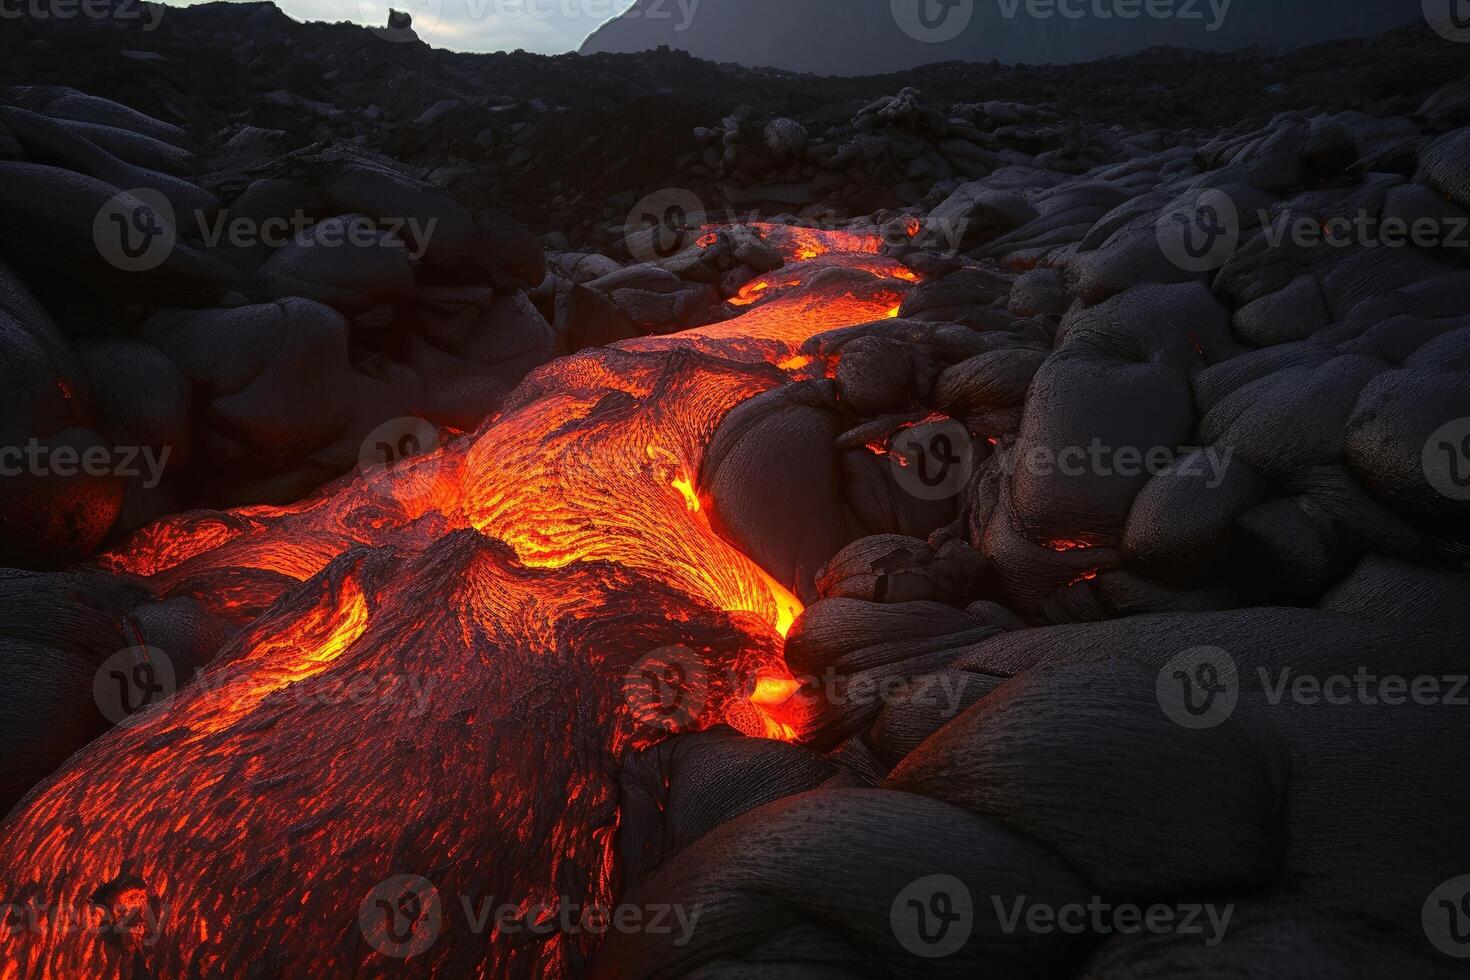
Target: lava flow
432	677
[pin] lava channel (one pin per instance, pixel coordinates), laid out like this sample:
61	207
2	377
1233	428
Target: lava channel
491	605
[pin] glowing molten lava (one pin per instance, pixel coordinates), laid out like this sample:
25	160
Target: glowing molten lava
431	677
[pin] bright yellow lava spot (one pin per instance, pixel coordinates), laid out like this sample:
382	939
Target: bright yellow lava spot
772	691
686	487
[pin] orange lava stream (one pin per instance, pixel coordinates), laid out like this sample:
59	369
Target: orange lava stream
486	603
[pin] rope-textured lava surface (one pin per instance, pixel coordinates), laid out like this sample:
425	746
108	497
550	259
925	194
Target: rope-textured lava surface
488	600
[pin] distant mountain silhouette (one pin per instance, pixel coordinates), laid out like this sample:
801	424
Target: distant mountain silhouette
858	37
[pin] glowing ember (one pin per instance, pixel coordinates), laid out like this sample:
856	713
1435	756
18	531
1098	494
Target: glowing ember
434	675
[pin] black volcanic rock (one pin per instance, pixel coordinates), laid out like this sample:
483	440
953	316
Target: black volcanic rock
857	37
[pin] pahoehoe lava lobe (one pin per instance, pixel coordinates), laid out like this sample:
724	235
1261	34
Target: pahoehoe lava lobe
495	596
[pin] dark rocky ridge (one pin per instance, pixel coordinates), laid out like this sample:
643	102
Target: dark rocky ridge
860	37
550	139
